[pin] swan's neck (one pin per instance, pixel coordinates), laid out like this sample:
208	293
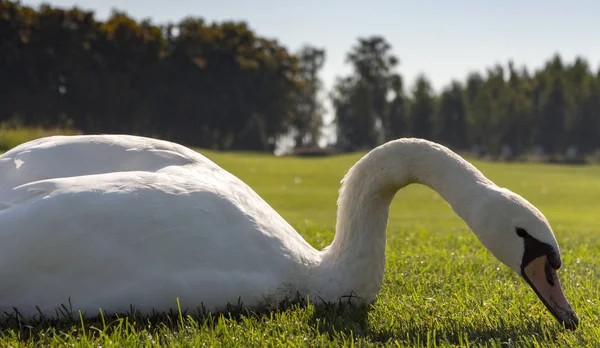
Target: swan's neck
357	255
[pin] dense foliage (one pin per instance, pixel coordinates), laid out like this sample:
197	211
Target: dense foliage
222	86
210	85
507	110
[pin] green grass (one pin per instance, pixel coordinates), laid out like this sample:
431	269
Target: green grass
11	137
441	286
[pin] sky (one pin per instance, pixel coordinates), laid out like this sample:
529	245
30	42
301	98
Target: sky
442	39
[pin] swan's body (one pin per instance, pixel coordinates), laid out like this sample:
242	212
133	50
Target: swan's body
111	221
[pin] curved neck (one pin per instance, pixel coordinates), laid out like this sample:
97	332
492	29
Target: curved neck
358	249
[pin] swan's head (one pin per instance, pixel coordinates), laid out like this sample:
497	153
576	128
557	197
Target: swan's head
519	235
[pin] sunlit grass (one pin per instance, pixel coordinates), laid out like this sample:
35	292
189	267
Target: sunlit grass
441	286
11	137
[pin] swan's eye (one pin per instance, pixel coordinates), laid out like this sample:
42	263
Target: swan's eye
553	260
521	232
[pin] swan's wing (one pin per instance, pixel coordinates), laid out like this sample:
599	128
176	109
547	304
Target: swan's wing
137	237
69	156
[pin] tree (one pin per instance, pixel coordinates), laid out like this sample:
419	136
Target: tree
397	114
553	107
474	98
582	123
422	109
451	117
517	126
354	116
495	123
373	64
308	117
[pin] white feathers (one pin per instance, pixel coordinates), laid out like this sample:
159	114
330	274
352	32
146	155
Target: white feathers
18	163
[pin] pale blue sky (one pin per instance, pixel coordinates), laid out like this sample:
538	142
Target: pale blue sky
444	39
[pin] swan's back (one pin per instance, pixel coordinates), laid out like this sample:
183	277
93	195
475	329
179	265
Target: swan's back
68	156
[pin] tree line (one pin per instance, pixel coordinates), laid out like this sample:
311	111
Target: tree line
507	110
215	85
223	86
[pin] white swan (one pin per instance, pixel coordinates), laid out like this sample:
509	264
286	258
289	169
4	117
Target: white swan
109	221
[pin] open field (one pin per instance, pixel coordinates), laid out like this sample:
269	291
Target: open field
11	137
441	286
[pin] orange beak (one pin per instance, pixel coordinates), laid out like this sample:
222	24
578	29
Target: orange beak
544	281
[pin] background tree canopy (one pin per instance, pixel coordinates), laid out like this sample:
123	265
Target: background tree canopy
222	86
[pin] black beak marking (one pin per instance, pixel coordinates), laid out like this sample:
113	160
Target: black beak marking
534	249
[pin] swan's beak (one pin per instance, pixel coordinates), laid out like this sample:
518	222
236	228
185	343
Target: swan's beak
544	281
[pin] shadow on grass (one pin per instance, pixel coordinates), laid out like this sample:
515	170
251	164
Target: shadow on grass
420	333
336	320
353	321
70	322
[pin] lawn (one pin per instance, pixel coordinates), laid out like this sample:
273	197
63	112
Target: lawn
441	286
